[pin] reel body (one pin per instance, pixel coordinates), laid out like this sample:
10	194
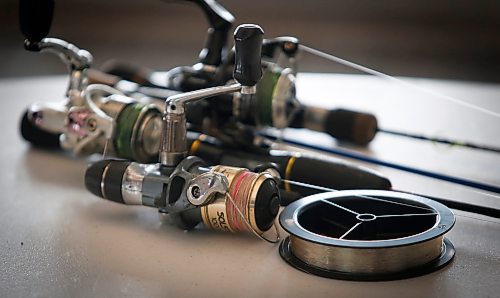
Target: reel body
131	128
191	193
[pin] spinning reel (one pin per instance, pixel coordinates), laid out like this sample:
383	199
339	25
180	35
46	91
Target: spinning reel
224	198
274	103
91	116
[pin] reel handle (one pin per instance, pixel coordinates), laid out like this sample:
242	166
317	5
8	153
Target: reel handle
248	47
35	18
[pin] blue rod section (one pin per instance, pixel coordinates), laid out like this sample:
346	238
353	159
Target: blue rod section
359	156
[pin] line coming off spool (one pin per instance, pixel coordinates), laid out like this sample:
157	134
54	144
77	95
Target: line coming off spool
367	235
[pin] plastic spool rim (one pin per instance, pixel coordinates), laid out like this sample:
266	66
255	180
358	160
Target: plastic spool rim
341	252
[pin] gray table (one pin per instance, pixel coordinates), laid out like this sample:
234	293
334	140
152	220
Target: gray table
57	239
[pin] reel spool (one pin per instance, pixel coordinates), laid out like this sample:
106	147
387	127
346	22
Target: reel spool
367	235
274	103
138	130
256	195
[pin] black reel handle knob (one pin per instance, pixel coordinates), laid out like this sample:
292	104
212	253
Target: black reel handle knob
35	18
248	47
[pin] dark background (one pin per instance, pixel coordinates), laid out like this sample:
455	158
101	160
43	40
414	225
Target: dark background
428	38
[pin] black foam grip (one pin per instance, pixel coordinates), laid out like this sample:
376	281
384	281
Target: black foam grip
93	176
36	136
248	47
325	172
335	175
35	18
208	152
352	126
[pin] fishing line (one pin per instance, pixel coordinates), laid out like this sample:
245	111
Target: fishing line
105	151
476	218
398	81
441	140
485	194
311	186
476	209
249	226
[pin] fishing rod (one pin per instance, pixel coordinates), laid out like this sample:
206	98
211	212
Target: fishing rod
274	104
384	234
440	140
129	150
359	128
235	199
369	159
365	158
96	118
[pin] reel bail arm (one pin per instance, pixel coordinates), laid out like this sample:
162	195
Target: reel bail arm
220	21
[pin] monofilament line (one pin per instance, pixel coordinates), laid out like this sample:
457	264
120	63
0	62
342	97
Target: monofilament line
396	80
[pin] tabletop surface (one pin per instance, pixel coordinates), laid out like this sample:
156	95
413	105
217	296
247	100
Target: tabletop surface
57	239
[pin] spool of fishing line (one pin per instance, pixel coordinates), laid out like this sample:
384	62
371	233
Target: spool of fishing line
367	235
251	204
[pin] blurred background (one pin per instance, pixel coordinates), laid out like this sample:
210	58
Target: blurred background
428	38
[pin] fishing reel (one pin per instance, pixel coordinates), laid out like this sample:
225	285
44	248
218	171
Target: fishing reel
274	104
111	124
222	197
91	116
